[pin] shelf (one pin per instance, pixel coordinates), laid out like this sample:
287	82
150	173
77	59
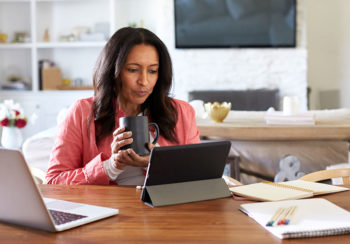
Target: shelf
15	1
52	45
76	59
13	91
48	1
15	45
69	44
75	87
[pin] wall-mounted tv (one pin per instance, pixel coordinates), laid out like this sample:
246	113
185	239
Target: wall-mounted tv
235	23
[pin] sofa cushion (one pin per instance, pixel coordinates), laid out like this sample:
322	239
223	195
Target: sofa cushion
37	148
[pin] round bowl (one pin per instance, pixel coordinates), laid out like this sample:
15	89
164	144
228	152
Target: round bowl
217	111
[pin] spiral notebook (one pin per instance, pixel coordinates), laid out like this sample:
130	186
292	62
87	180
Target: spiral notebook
314	217
296	189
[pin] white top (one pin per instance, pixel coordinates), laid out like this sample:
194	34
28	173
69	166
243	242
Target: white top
130	175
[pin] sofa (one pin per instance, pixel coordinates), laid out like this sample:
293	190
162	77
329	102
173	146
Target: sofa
37	148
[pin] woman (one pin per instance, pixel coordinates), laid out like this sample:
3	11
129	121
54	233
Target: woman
133	76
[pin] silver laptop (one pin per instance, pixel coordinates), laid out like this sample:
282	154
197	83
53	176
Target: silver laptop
22	203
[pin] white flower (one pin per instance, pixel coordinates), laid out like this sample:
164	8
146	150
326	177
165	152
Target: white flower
12	114
11	105
3	113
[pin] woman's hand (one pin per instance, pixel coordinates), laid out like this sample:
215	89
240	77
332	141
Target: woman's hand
122	158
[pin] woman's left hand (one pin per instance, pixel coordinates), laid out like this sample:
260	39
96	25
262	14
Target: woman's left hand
130	157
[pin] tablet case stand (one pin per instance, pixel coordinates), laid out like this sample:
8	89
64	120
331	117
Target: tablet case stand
184	192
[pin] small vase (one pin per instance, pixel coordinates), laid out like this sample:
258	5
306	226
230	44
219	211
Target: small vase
11	137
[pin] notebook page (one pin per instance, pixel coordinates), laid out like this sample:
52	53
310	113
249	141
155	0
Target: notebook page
317	188
314	217
268	192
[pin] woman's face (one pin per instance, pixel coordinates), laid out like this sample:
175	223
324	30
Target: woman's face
139	74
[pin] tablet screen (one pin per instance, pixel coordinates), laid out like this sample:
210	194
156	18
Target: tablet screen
174	164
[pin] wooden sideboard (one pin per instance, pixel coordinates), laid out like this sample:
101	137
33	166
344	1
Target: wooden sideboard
253	137
259	131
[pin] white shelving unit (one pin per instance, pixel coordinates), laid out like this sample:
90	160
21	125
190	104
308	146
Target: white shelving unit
76	58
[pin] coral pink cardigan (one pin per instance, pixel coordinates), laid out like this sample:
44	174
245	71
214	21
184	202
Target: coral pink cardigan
76	159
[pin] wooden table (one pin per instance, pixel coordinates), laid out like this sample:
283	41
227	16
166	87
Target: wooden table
260	131
214	221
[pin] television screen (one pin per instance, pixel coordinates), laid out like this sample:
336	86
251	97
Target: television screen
235	23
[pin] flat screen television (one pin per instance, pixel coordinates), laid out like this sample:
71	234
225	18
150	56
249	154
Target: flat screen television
235	23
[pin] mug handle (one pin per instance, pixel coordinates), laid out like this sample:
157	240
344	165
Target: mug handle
156	128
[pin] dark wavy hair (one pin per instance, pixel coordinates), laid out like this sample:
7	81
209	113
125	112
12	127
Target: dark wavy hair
107	83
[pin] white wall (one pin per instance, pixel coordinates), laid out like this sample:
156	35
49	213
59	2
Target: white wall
228	68
328	47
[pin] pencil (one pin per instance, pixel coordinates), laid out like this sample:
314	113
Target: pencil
291	214
274	218
286	217
281	219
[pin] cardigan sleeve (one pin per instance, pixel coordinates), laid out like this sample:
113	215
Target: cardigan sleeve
186	128
66	164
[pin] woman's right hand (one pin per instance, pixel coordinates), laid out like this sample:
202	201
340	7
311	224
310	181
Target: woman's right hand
120	138
120	157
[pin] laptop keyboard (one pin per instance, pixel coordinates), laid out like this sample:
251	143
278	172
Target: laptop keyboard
64	217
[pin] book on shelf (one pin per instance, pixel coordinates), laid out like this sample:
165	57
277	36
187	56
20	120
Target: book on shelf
312	217
273	191
17	85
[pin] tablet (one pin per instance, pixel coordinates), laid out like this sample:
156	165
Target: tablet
174	164
186	173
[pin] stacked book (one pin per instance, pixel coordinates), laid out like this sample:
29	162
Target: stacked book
15	85
278	118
